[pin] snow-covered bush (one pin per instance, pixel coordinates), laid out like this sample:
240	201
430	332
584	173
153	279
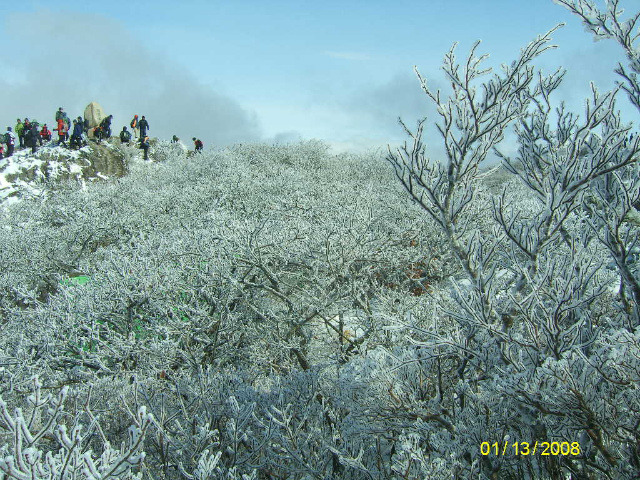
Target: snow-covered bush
281	312
533	357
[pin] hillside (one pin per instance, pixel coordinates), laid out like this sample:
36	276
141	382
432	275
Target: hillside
269	309
24	174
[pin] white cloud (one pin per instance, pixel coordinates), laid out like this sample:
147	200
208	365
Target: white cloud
119	72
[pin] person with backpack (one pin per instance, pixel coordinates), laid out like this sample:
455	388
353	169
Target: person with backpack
20	132
62	132
134	127
105	126
125	135
143	126
31	137
98	135
10	140
26	127
35	124
144	145
76	136
45	133
62	115
198	145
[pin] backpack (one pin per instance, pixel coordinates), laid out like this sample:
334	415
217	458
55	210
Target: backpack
134	123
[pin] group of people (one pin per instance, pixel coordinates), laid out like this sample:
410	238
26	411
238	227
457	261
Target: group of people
28	133
139	128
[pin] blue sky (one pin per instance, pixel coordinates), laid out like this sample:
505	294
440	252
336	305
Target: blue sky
241	71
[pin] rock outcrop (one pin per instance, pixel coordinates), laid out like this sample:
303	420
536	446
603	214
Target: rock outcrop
94	114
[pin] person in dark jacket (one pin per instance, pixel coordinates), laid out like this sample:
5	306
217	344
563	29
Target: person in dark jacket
76	135
11	141
31	138
144	145
144	126
106	126
125	135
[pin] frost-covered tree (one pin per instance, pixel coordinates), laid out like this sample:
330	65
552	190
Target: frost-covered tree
531	351
280	312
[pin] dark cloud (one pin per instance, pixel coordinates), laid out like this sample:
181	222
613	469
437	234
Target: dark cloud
71	59
400	96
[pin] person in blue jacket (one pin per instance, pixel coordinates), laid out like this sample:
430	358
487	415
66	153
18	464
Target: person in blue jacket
76	135
143	125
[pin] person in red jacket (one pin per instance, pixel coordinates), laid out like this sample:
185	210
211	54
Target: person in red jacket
62	132
45	133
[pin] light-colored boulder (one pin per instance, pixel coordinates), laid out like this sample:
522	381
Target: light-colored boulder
94	113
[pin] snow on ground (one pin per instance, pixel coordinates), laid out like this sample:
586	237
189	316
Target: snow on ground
22	174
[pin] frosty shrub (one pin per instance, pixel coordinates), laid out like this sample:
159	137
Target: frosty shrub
275	311
534	355
257	272
48	444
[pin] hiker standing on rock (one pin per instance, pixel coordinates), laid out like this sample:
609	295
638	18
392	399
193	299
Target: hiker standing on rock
20	132
144	145
134	127
10	140
144	126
